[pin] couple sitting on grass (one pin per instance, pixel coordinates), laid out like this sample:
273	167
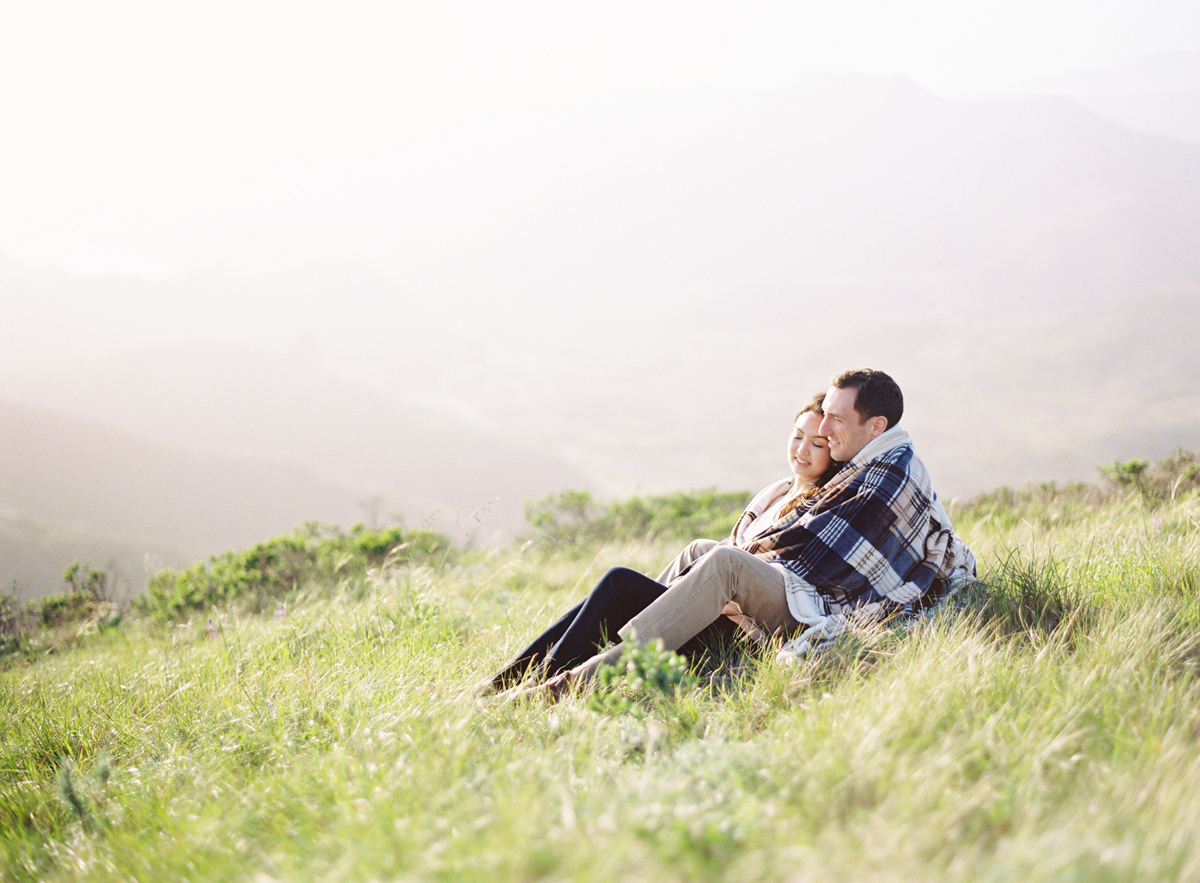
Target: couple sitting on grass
855	531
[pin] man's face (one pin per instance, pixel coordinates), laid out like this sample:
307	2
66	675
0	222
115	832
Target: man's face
847	433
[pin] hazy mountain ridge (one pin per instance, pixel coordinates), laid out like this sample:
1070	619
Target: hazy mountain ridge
976	218
1158	93
834	186
236	403
637	294
34	553
1118	384
77	484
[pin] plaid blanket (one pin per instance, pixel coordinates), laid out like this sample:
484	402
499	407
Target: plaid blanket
876	541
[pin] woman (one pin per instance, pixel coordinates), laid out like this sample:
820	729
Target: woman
622	593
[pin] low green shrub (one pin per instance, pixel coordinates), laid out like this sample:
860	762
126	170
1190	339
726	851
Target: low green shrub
1156	484
310	555
573	517
646	674
13	622
1159	483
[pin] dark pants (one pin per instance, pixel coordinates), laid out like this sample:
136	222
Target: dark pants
581	632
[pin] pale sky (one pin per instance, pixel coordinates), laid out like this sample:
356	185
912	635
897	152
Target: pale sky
129	101
179	173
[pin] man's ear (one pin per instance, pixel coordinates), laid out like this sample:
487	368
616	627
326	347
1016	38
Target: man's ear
878	425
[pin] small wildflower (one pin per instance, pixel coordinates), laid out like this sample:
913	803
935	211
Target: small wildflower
212	628
280	612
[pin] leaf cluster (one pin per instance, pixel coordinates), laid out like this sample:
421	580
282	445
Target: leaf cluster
642	674
85	605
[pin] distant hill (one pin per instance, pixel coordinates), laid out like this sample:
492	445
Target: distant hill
637	294
646	285
71	488
219	446
1159	94
34	553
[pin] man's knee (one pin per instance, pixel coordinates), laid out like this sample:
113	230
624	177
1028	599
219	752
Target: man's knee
729	557
727	565
743	572
696	550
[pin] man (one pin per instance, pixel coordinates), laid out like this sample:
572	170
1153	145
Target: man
878	542
875	542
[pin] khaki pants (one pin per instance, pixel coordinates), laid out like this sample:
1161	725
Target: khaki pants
685	559
718	575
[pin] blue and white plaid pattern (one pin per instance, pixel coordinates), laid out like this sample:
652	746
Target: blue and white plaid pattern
876	536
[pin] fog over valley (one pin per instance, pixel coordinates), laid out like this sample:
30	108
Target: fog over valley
628	293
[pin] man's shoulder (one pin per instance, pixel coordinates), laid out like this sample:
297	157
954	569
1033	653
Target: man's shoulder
901	453
882	467
894	467
897	452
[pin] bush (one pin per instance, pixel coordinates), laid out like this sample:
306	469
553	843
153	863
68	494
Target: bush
572	517
1041	504
647	674
279	566
14	618
85	596
1158	484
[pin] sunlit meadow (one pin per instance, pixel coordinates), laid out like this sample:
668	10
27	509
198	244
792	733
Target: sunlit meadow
1044	726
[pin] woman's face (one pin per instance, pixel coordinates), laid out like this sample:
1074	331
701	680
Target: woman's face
808	452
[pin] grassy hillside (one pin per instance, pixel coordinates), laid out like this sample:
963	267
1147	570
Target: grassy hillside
1043	727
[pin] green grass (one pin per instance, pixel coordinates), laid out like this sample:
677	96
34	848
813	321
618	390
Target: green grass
1044	727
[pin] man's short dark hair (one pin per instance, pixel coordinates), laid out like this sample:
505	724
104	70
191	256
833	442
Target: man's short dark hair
877	394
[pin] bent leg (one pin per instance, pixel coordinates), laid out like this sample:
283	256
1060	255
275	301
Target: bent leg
685	559
690	605
696	599
584	629
617	598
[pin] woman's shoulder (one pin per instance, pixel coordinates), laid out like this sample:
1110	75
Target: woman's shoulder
770	493
777	487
